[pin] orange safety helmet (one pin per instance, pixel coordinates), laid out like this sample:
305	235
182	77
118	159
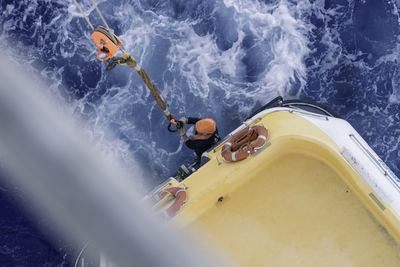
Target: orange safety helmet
206	126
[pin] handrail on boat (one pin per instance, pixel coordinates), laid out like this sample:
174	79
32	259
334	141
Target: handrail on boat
80	254
392	179
293	105
306	113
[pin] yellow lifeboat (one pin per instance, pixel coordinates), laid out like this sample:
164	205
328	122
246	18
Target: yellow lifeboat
313	194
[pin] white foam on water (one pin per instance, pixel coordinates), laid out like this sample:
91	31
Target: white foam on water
193	69
67	181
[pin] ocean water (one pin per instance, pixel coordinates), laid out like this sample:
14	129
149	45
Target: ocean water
210	58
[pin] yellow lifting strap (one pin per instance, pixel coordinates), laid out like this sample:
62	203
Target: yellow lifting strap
127	59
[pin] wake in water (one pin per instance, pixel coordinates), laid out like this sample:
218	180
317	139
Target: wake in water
209	58
354	68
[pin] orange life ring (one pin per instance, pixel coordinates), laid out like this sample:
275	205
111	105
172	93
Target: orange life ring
107	42
244	143
180	198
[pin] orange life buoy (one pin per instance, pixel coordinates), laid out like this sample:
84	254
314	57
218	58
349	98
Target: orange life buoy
180	198
107	42
244	143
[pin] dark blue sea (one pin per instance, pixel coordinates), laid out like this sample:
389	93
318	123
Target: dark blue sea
210	58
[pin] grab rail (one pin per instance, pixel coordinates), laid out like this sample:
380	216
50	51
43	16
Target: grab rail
310	114
385	171
295	105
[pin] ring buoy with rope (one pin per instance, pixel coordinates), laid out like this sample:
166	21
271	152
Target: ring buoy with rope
180	198
106	41
244	143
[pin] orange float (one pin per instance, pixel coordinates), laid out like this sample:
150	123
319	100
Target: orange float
180	198
244	143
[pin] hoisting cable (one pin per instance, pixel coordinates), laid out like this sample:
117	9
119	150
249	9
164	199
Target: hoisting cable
101	16
83	14
109	44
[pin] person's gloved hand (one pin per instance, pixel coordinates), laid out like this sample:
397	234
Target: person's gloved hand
184	120
181	130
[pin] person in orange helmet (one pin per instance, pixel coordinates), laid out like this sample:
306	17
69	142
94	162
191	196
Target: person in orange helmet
206	134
